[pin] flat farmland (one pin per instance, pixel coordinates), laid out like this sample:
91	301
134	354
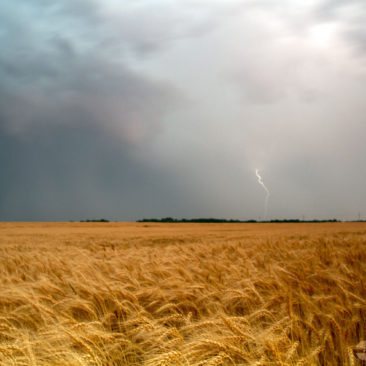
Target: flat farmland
181	294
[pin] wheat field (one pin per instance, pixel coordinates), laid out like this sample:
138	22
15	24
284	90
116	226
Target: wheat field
181	294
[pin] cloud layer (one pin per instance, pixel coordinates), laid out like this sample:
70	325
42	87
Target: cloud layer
166	108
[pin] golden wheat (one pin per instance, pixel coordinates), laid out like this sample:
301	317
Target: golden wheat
181	294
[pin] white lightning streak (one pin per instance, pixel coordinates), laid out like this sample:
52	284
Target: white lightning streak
260	181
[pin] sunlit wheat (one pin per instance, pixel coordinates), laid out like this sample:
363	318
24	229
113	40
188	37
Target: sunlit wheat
220	294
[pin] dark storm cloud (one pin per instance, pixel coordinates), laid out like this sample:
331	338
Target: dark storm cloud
166	108
74	118
51	78
70	173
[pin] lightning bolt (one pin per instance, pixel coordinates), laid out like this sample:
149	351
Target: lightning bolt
260	181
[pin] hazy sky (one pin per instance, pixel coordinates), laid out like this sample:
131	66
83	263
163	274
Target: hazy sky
153	108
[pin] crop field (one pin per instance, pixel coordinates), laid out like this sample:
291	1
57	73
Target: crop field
181	294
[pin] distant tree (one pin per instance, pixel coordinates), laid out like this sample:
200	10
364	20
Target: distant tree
97	220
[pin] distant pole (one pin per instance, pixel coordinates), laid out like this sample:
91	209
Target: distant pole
359	216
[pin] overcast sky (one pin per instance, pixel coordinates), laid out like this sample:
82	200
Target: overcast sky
154	108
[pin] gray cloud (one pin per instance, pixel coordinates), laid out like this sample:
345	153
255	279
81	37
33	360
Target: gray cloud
166	108
71	173
351	15
52	78
79	58
74	117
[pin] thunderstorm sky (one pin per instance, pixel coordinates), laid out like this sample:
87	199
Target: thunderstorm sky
154	108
